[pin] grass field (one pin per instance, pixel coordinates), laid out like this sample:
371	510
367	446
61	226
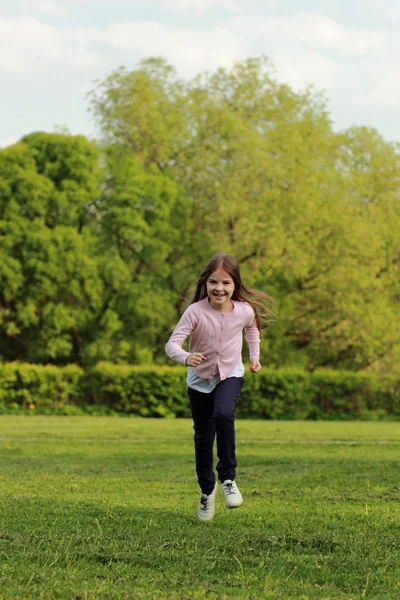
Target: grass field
98	507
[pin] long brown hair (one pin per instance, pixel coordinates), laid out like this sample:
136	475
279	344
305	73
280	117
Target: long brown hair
263	305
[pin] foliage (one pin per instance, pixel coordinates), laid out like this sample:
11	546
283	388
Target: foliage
39	388
51	289
143	391
102	243
309	213
161	391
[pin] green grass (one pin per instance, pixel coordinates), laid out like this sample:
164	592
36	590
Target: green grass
98	507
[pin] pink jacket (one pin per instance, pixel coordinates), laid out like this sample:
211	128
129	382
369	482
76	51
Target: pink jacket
218	336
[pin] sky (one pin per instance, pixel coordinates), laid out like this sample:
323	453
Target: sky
52	51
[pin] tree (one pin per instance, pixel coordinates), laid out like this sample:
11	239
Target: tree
102	243
85	250
52	283
261	174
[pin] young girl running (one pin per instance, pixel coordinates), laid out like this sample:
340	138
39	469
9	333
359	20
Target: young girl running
221	308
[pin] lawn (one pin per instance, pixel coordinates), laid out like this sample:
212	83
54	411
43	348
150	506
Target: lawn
99	507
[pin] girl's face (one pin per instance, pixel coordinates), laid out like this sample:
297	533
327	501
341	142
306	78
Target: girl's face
220	287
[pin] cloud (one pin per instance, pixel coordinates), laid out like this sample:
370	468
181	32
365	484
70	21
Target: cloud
357	67
29	46
389	10
321	32
191	50
51	8
60	8
200	5
309	30
8	141
306	47
353	66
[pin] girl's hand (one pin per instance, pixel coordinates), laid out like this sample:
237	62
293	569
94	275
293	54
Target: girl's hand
194	359
255	365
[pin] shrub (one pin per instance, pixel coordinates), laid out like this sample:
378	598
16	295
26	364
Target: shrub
148	391
160	391
39	388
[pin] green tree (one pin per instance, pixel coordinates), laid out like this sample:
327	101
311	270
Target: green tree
102	244
52	284
261	174
140	212
85	251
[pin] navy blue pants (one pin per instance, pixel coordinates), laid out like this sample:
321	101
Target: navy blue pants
214	416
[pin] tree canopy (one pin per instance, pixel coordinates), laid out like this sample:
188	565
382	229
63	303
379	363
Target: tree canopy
102	242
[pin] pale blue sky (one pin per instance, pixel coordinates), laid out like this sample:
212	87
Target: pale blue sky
51	51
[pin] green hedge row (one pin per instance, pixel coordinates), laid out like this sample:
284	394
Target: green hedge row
152	391
38	388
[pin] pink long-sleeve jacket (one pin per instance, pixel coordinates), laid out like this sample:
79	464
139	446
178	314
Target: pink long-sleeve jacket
218	336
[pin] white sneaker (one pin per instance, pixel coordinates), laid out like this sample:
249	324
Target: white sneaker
206	509
233	498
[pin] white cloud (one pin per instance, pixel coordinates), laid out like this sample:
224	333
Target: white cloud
51	8
297	45
354	66
387	10
321	32
357	67
61	8
189	49
200	5
30	46
310	30
8	141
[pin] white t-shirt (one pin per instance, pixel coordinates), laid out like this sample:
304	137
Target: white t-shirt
208	385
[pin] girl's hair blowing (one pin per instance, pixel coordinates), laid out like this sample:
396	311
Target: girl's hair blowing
263	305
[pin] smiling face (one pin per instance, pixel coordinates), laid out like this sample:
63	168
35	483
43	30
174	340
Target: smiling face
220	287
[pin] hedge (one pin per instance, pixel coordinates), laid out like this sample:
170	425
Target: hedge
154	391
50	389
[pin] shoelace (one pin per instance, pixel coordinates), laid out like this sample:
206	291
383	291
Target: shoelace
229	489
203	502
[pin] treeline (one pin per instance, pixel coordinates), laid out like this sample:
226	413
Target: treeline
101	242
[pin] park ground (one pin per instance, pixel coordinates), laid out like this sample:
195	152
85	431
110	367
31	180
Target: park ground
105	508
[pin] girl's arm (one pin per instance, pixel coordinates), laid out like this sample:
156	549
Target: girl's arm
253	340
184	328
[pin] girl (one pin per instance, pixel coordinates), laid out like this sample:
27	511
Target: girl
221	308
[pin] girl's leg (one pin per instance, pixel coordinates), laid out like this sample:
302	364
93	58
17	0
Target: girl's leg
226	395
204	434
